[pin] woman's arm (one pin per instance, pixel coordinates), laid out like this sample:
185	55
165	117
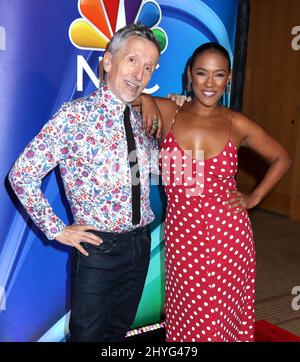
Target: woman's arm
151	117
256	138
161	108
158	113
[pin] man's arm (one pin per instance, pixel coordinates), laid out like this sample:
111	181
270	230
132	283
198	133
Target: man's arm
42	154
39	157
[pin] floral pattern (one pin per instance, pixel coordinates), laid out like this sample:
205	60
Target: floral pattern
86	138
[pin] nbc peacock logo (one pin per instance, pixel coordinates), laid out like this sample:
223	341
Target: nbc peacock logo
102	18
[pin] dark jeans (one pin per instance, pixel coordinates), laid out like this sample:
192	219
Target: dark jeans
107	285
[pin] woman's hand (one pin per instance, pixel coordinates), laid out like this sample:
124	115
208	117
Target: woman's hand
179	99
240	201
152	120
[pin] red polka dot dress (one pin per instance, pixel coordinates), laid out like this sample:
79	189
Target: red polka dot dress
210	255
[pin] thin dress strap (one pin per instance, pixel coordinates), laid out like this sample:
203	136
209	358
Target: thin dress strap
174	118
231	126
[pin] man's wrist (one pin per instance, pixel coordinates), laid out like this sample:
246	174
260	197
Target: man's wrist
55	230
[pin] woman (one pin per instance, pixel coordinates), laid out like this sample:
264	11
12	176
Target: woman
210	255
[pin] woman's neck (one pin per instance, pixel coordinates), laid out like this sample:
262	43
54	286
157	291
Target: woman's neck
199	108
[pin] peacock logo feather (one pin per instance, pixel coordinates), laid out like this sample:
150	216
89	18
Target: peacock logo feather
102	18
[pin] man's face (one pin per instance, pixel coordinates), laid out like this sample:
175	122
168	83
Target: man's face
130	68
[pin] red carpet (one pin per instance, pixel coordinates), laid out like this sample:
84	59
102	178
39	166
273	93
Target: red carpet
267	332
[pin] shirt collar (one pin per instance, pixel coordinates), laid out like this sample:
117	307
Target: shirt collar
110	99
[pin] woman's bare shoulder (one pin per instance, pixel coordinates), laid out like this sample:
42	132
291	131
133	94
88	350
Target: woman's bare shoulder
167	109
165	105
249	131
244	124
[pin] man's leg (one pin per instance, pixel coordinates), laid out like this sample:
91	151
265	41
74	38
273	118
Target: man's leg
129	288
93	282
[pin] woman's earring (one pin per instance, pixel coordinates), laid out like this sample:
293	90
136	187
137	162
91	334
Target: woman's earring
228	88
188	88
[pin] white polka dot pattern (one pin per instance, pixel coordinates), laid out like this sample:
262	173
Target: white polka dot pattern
210	255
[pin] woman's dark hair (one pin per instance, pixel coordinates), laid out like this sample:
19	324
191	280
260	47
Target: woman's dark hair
211	46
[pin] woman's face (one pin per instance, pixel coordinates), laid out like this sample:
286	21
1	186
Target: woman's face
209	77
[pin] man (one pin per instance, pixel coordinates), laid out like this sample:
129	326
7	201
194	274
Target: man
104	159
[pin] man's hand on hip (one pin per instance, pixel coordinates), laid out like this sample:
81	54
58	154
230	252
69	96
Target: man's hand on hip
73	235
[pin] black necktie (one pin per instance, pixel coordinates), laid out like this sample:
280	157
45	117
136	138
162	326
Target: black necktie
134	169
